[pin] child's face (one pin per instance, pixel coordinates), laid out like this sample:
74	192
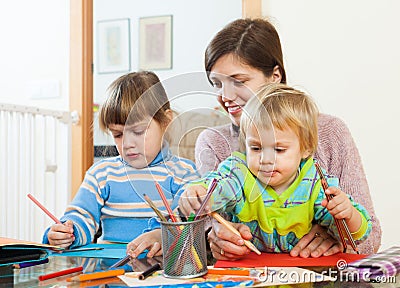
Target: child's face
273	156
140	143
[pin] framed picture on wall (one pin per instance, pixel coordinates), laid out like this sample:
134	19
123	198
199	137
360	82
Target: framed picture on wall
113	46
155	42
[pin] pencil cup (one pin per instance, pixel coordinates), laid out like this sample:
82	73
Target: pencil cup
184	249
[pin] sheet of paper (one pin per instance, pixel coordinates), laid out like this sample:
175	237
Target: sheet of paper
285	260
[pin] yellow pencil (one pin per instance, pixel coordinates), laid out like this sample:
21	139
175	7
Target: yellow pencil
97	275
233	230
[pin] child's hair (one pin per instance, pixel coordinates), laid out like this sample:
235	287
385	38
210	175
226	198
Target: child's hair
132	97
278	106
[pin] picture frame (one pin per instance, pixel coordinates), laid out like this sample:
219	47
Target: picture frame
113	46
155	42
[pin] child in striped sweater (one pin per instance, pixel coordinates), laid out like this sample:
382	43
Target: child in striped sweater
137	113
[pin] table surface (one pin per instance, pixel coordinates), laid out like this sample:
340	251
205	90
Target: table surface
28	277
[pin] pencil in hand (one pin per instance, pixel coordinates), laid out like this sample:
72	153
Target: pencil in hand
228	225
34	200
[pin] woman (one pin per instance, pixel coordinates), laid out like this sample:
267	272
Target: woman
243	56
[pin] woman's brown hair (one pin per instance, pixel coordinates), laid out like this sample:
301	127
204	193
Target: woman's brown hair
254	41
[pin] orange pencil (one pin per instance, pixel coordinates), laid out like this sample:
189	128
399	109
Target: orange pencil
100	282
97	275
55	219
235	272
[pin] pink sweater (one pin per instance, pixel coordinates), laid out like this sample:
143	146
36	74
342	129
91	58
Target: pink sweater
336	152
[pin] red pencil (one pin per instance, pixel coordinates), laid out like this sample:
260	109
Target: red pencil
44	209
60	273
166	204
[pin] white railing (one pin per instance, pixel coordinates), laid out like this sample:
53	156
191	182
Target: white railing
35	157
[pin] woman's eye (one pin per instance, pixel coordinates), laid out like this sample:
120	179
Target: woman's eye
255	148
238	83
280	150
119	135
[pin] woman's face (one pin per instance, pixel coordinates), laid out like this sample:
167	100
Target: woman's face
236	82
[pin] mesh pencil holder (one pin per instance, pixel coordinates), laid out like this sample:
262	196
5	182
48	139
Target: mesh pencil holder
184	249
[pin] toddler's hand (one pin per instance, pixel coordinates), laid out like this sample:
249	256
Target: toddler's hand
339	206
190	200
62	234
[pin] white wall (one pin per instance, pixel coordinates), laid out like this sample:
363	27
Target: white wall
194	24
34	61
34	52
346	55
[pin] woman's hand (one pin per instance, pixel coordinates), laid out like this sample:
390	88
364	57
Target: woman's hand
61	234
149	240
190	200
316	243
226	245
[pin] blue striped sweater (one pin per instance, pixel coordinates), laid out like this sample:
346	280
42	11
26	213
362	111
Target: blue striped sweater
111	195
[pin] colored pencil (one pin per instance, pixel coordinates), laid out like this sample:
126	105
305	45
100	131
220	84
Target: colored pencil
340	223
238	272
121	262
104	282
166	204
210	190
154	207
191	217
97	275
60	273
160	215
31	263
30	196
229	226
